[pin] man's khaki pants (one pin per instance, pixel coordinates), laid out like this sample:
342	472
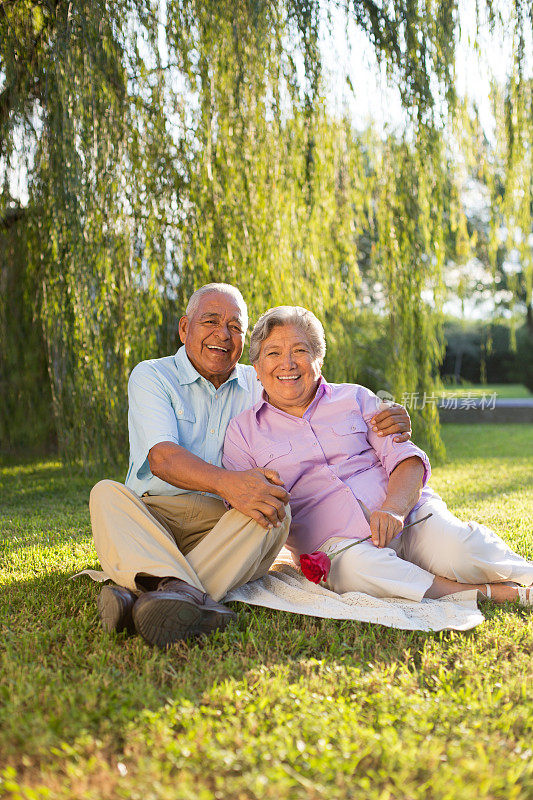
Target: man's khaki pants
148	536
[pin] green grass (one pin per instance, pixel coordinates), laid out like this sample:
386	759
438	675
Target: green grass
279	706
503	390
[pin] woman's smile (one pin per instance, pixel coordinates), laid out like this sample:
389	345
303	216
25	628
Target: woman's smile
288	369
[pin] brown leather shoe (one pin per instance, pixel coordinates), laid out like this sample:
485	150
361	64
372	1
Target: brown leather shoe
115	604
176	611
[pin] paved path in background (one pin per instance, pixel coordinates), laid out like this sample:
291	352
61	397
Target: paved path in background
518	402
487	409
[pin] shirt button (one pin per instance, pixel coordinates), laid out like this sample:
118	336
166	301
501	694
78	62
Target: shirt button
333	477
180	411
271	455
212	430
315	444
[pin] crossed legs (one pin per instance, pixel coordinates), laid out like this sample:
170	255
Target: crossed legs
132	541
138	539
438	557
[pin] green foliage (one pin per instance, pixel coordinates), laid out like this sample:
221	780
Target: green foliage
282	706
503	164
25	420
172	143
477	349
104	180
410	250
524	357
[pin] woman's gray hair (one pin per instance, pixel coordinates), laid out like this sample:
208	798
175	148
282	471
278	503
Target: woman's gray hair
223	288
288	315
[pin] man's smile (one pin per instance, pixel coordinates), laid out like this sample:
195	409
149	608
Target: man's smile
216	347
288	377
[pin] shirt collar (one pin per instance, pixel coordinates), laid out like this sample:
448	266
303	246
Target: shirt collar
323	388
187	373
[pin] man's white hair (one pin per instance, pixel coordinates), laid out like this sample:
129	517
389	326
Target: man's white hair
223	288
303	319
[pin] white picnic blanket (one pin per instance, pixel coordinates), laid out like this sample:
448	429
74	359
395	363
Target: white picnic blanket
285	589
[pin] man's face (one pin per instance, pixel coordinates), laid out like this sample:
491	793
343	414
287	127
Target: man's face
214	336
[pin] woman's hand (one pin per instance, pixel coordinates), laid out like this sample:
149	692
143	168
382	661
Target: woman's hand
393	419
384	526
403	493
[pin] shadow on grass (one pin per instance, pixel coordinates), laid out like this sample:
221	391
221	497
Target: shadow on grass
49	482
64	677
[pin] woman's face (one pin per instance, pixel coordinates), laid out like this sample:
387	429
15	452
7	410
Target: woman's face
288	369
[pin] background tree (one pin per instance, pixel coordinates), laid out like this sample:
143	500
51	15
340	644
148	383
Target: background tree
165	144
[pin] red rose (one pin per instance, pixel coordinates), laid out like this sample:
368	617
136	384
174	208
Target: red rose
315	566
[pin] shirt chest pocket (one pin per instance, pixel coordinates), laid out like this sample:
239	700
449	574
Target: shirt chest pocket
183	413
349	436
280	457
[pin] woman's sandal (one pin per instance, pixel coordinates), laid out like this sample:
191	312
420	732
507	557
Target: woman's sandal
525	594
488	591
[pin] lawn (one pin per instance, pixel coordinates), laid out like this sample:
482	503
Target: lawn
278	706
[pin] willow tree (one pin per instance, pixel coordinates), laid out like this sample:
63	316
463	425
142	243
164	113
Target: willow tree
513	108
283	193
270	189
510	178
499	162
98	214
171	143
502	161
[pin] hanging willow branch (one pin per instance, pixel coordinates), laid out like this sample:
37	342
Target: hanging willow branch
216	158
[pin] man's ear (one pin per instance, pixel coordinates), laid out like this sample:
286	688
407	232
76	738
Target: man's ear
183	326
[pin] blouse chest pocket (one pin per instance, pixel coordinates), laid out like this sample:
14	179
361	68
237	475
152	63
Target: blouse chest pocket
268	456
281	458
349	436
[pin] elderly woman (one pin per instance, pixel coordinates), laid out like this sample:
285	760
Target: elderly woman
346	483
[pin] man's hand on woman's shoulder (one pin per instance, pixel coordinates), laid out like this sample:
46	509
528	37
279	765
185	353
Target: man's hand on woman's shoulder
393	419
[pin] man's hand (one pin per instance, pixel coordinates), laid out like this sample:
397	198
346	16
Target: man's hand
258	493
393	419
384	526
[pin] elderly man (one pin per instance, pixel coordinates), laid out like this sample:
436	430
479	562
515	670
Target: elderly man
167	538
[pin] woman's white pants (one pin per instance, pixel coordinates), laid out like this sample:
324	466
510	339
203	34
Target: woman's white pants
443	545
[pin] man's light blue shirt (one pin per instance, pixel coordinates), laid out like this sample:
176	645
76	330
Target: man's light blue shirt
169	401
